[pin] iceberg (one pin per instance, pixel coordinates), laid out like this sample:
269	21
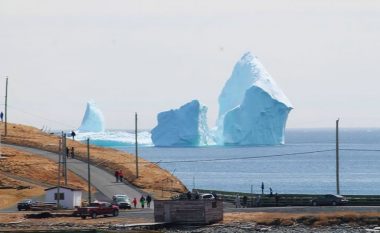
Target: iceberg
253	110
93	120
186	126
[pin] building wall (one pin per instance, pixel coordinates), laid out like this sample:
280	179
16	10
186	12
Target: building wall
68	201
77	198
188	211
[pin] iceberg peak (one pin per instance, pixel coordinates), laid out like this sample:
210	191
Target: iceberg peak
93	119
252	108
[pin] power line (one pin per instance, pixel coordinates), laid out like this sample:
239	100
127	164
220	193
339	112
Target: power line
363	150
249	157
38	116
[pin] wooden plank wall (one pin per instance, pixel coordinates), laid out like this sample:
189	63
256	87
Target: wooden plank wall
188	211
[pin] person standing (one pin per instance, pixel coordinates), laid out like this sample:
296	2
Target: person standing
134	202
262	188
121	176
1	116
72	152
142	201
117	176
245	201
148	200
270	191
276	197
73	135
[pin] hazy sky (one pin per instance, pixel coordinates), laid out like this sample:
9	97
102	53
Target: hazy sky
150	56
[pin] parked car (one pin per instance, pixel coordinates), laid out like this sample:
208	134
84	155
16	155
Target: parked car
122	201
98	208
25	204
207	196
329	199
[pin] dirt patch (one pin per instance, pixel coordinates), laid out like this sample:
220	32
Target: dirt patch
320	219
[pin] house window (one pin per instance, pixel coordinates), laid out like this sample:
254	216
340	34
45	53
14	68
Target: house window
61	196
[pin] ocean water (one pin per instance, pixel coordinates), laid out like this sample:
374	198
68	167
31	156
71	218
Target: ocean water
289	170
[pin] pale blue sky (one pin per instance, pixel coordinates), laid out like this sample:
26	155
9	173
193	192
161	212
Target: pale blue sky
150	56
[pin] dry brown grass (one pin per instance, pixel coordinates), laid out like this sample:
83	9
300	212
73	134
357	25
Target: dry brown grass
317	219
151	175
36	168
9	197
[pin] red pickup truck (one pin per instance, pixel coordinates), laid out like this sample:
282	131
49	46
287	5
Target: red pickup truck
98	208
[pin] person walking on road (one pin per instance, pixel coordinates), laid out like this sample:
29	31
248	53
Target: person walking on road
117	176
262	188
121	176
142	201
270	191
148	200
134	202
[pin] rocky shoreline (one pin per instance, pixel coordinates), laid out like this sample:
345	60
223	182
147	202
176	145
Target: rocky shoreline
220	228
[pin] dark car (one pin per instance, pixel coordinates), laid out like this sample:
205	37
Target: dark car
329	199
25	205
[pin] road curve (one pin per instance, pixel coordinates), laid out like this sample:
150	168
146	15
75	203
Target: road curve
100	179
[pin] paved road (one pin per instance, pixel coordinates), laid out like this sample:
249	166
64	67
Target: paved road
102	180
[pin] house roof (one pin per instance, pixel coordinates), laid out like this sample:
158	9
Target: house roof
64	187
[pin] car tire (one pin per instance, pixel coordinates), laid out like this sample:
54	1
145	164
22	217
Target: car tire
333	203
19	209
93	215
314	203
83	216
115	213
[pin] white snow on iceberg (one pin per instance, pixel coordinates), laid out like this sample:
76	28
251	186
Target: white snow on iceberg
93	120
186	126
253	110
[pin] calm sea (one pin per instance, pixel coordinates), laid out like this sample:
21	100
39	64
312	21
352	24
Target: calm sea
312	173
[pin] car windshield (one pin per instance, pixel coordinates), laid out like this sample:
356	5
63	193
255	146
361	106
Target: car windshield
26	201
121	198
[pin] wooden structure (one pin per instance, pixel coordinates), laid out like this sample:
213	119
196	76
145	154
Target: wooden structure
188	211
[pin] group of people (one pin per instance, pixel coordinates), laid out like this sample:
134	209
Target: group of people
119	176
70	153
148	200
244	203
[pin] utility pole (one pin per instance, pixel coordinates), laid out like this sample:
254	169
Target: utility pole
136	148
64	157
88	168
59	173
337	157
251	195
6	106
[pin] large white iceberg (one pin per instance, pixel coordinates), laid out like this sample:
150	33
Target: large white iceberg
252	109
186	126
93	119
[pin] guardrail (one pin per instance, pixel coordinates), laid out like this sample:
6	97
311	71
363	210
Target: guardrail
266	200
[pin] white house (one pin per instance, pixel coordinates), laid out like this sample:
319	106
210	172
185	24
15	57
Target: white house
69	197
